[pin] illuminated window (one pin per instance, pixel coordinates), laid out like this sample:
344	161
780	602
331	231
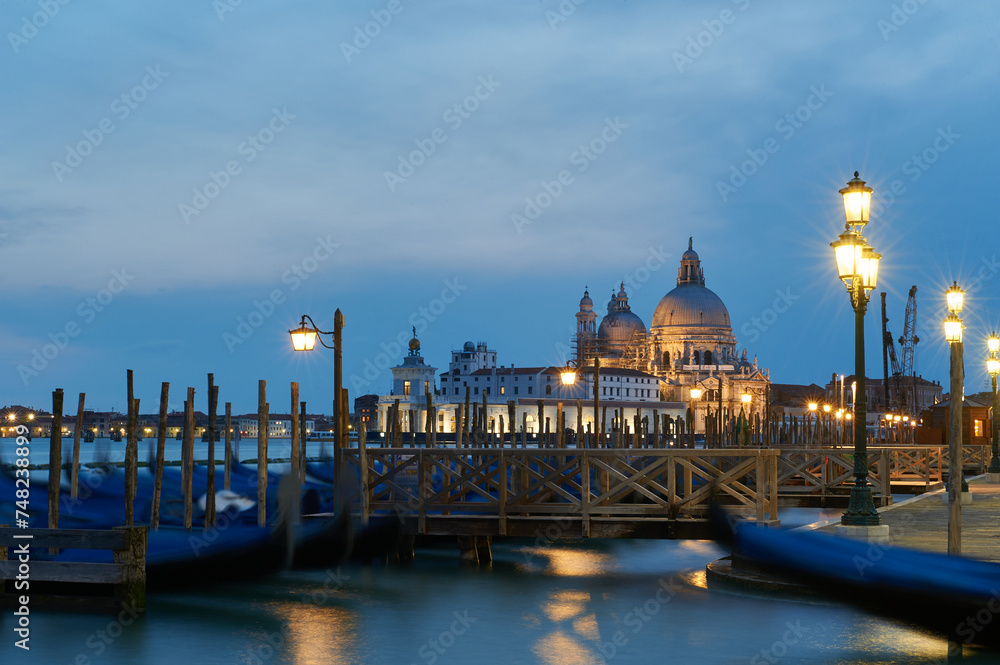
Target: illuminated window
406	388
503	390
977	428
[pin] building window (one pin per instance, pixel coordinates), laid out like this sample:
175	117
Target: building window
406	388
456	391
477	390
487	389
626	392
503	390
515	390
548	390
697	357
666	358
708	357
529	390
977	428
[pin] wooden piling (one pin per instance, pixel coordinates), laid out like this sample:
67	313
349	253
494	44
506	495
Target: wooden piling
131	463
74	479
213	405
161	442
560	442
188	457
303	437
459	427
512	420
579	425
428	415
55	457
262	433
295	430
229	446
398	426
468	397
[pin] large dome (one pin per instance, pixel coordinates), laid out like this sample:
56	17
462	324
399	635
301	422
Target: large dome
691	305
620	326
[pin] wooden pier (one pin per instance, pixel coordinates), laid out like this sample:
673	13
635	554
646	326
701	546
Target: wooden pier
125	577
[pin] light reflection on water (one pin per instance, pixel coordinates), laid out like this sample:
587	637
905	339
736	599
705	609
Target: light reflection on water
558	606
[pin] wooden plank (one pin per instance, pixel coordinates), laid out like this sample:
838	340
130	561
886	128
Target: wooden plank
83	539
66	571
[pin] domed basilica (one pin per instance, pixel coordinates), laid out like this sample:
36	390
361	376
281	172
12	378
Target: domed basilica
690	341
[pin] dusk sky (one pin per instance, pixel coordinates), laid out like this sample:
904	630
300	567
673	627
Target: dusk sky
180	182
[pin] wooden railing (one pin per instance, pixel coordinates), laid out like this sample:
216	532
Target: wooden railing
598	484
127	573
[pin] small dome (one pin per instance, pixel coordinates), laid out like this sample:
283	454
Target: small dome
414	344
690	254
469	346
620	326
586	304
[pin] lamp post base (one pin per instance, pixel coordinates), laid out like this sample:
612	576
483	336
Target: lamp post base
861	508
871	534
993	477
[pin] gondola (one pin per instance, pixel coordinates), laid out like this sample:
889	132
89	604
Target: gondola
948	595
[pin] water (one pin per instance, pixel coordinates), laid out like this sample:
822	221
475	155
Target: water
560	604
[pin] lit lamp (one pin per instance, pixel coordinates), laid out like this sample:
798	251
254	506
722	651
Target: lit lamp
304	339
955	297
568	373
993	368
857	267
695	396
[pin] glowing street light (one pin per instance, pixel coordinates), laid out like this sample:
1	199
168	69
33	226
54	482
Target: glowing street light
993	368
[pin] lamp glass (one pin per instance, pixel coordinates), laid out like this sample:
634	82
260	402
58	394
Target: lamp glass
956	297
568	377
746	397
857	201
993	366
993	343
813	406
848	253
953	329
696	393
303	339
868	268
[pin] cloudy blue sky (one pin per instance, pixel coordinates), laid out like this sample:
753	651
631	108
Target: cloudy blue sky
180	182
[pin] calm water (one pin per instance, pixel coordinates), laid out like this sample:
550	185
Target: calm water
561	604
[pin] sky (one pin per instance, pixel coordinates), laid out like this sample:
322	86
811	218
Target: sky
181	182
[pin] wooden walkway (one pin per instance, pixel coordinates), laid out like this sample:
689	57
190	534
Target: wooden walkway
922	523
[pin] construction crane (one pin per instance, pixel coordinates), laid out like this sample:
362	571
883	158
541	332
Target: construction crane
907	343
905	396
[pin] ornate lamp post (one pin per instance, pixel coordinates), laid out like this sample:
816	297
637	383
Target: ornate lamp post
745	399
956	483
993	367
857	266
304	339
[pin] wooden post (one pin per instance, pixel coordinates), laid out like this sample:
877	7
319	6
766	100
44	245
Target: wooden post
188	457
339	416
398	443
560	441
484	415
541	423
262	434
427	420
345	434
604	424
55	457
74	479
512	419
656	430
132	559
161	441
131	463
459	428
229	446
295	429
213	406
468	397
363	472
303	437
597	402
579	425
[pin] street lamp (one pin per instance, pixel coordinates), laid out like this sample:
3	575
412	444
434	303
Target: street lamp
956	483
857	267
993	367
304	339
695	396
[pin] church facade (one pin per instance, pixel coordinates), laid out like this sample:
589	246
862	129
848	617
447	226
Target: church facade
689	344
